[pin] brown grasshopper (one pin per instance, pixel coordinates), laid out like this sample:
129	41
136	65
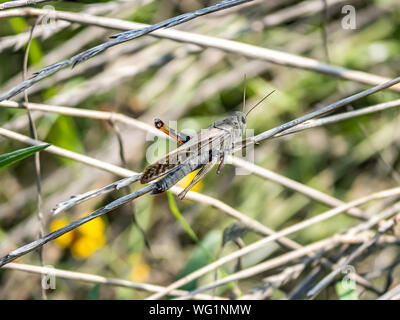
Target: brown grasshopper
202	152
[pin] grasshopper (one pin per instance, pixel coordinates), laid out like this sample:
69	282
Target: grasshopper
202	152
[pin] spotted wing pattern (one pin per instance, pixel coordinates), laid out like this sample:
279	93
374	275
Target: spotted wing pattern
193	148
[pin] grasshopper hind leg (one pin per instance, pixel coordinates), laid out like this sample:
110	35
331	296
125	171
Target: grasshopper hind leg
203	171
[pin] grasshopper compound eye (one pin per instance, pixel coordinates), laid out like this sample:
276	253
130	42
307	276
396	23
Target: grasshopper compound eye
158	123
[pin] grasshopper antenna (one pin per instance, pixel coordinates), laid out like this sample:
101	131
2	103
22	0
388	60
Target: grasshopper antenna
244	94
258	103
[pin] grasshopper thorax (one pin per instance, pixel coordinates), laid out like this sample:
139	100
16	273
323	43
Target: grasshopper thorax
239	121
236	124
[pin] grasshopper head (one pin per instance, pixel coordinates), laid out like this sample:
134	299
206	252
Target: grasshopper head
235	122
239	121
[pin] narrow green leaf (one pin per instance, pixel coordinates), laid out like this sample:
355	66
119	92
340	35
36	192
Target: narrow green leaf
19	25
202	254
345	292
14	156
180	218
65	134
186	225
200	258
94	292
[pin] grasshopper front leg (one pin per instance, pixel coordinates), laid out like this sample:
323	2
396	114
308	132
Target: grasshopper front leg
221	163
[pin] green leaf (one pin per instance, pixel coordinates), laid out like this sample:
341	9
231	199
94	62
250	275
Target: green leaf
11	157
186	225
94	293
180	218
35	52
202	254
199	258
65	134
344	292
145	13
19	25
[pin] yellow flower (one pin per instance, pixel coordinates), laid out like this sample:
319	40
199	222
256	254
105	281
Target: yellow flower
94	229
187	179
84	240
140	273
140	270
66	239
83	247
91	237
